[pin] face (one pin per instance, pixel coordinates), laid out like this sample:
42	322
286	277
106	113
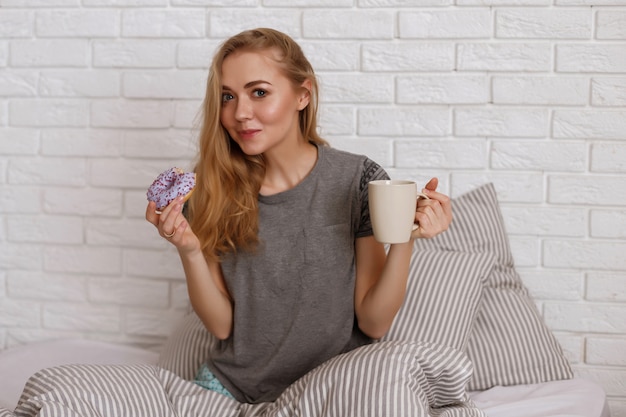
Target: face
260	105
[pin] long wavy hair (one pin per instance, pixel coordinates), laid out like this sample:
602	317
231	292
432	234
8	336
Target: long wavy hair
223	210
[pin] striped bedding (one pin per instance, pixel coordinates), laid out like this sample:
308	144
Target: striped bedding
509	343
392	378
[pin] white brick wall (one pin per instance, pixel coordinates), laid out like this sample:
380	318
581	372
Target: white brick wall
99	96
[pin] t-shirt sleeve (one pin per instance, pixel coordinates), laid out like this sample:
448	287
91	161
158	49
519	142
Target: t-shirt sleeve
371	172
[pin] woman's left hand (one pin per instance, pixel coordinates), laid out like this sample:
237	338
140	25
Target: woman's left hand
433	215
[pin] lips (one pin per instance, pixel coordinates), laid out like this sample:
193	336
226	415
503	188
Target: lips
248	133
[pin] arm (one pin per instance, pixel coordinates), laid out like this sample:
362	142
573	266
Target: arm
380	284
381	279
208	294
207	291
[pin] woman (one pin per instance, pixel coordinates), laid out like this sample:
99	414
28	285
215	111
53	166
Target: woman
277	245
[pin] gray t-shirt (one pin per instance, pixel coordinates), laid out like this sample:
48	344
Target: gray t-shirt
294	294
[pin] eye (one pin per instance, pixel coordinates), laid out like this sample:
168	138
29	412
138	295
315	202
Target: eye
227	97
259	93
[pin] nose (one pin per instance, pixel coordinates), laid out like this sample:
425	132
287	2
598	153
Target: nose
243	111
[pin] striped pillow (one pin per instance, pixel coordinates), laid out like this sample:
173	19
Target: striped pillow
443	296
509	343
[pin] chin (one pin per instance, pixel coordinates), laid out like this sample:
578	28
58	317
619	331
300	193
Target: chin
250	149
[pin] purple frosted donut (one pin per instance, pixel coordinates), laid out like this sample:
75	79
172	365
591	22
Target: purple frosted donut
171	184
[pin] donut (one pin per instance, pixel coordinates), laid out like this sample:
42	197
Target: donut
169	185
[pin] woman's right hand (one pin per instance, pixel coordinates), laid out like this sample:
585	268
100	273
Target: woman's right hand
173	226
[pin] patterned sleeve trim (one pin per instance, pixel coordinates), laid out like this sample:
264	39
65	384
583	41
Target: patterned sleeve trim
371	172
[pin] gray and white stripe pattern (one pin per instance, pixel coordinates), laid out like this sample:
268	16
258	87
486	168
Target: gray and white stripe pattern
394	378
510	343
187	347
384	379
443	294
117	390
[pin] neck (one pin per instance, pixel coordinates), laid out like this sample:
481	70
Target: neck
287	168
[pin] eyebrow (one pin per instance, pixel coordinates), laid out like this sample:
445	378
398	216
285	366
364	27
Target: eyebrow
249	85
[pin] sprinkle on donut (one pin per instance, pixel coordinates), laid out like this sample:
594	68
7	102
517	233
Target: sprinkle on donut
169	185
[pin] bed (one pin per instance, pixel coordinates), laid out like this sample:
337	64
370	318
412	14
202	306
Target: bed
468	341
573	397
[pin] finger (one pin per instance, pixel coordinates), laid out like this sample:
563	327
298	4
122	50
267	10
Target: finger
151	215
432	194
432	218
179	233
432	184
424	223
444	201
168	218
446	205
436	210
170	209
425	213
431	204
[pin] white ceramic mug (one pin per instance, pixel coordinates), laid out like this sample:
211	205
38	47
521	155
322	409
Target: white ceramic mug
392	205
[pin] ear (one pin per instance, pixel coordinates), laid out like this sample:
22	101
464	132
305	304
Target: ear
305	95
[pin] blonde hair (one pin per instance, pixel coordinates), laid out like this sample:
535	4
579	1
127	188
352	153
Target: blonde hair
223	210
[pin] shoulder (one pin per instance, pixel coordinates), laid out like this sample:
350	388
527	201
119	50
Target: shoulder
359	168
342	164
373	171
361	163
337	155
